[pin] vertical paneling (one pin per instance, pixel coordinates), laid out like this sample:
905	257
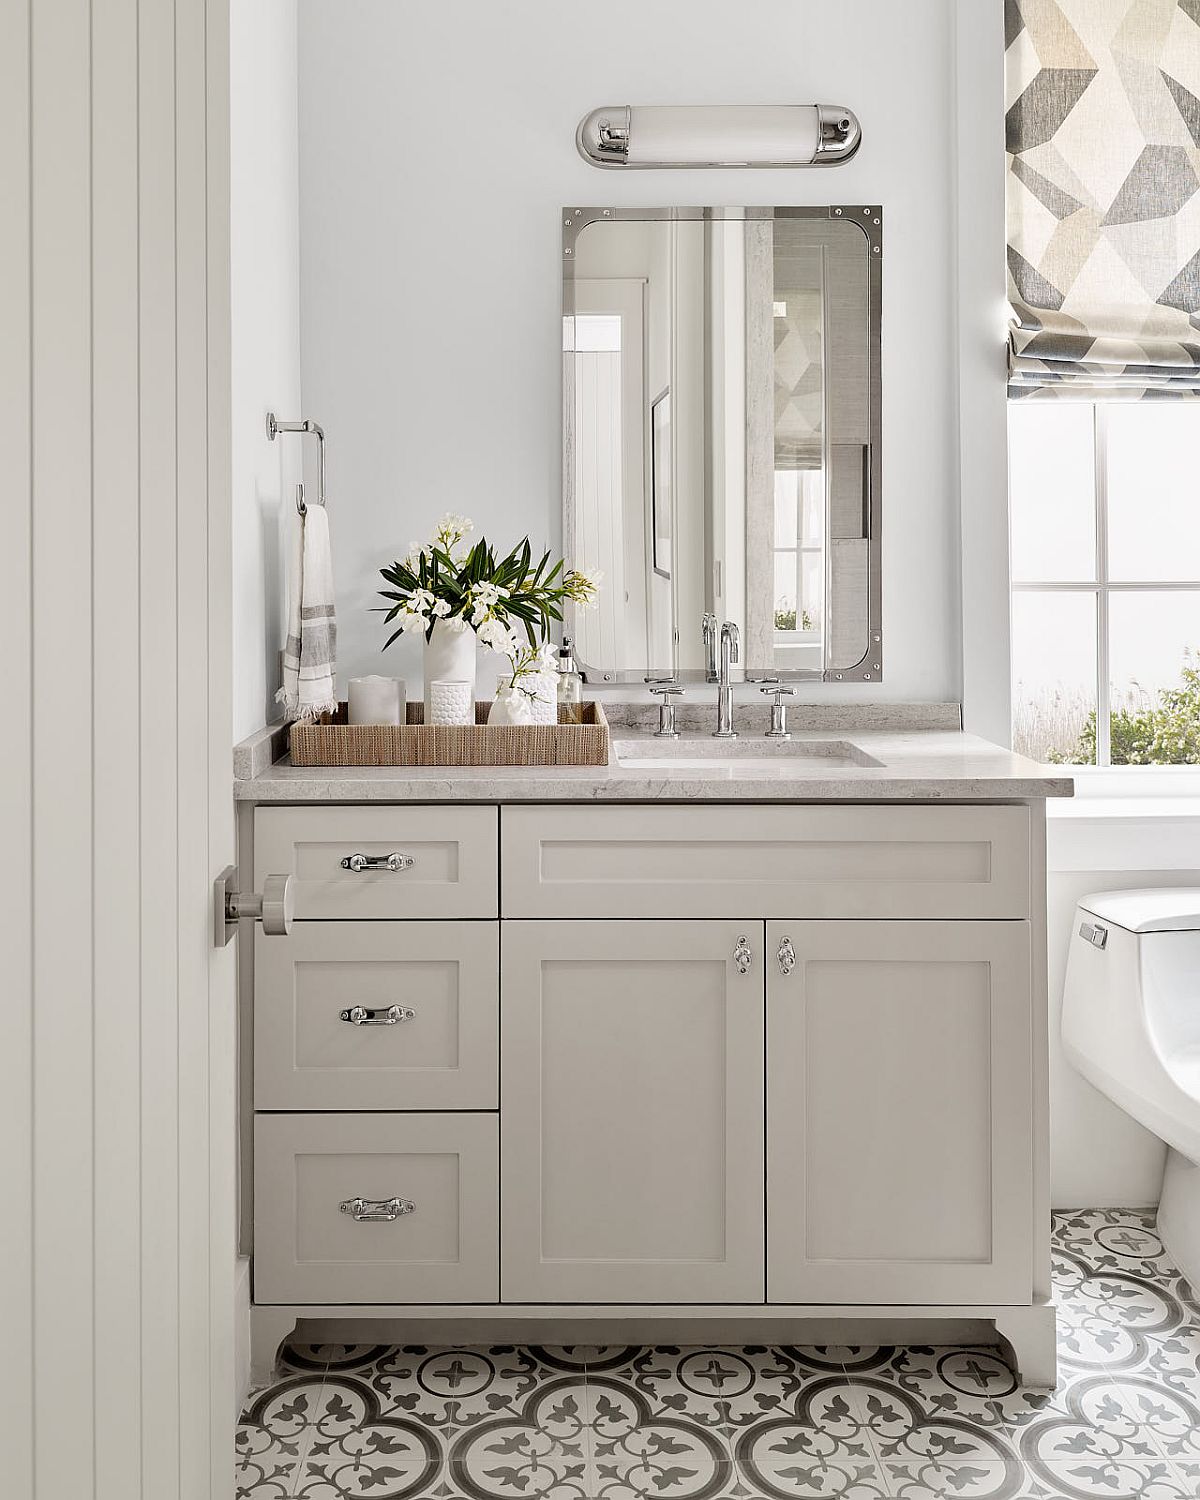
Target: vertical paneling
16	1013
119	1173
222	1007
160	693
117	821
62	687
191	744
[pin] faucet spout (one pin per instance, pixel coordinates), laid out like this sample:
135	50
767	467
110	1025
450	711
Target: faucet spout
729	653
708	633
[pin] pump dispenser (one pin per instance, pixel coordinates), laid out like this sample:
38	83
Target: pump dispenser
570	687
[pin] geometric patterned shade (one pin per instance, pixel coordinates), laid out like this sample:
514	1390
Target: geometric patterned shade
799	378
1103	198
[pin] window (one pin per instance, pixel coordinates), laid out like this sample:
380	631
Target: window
799	550
1105	518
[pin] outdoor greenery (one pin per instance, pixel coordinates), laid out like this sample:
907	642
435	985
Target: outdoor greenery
1162	729
785	619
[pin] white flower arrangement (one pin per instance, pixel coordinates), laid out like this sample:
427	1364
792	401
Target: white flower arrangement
506	602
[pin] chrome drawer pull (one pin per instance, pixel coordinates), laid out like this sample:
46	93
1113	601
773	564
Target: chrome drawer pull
742	957
786	956
360	862
359	1015
377	1210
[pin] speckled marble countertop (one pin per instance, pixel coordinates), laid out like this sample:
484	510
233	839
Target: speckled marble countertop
837	754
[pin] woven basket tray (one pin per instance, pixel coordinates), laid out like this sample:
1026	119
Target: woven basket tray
481	744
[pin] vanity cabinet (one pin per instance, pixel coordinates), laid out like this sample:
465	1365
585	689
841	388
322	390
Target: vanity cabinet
643	1069
632	1120
899	1112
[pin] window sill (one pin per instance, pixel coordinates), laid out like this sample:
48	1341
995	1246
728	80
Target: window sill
1114	824
1131	791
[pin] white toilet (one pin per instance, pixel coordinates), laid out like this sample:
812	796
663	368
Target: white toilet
1131	1025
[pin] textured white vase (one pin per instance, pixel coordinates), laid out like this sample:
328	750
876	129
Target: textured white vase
449	657
544	706
451	703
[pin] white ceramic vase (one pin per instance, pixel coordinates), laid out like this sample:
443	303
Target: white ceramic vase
509	706
449	657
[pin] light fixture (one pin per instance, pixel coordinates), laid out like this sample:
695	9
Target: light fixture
787	135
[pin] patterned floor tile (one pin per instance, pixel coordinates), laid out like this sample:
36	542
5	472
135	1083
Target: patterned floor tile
274	1436
917	1479
1168	1419
1089	1479
762	1422
718	1389
845	1479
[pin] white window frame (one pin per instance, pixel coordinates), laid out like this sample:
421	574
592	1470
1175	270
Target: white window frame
1102	587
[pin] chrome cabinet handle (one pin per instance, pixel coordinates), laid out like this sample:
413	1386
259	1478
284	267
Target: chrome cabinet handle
742	957
359	1015
376	1210
786	956
360	862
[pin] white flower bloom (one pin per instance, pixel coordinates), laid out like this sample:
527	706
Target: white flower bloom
495	633
484	599
421	601
440	609
451	531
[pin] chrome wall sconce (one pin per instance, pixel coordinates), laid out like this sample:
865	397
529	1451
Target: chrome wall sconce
788	135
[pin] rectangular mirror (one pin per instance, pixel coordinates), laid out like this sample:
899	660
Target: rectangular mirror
721	438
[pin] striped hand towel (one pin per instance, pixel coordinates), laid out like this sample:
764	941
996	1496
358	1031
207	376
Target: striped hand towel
310	654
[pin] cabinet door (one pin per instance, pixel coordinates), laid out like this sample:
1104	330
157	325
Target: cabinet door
632	1111
899	1112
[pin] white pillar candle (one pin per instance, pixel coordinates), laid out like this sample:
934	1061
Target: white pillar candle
451	703
375	700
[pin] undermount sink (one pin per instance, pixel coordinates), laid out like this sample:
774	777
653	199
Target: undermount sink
752	753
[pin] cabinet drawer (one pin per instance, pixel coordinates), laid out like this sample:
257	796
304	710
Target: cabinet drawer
377	1015
446	858
856	861
308	1247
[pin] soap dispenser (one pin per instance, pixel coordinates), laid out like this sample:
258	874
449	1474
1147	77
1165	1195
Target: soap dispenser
570	687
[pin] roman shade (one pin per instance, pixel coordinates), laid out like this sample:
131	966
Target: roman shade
1103	198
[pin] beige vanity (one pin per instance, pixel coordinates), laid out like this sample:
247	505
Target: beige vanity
678	1053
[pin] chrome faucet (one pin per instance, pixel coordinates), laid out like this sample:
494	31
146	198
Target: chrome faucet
729	653
708	632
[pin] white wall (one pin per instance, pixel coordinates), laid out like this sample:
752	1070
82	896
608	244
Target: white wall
265	270
437	148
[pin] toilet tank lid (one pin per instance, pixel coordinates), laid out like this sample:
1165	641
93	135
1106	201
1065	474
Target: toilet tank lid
1162	909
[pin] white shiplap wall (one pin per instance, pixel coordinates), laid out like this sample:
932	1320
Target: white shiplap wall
117	1024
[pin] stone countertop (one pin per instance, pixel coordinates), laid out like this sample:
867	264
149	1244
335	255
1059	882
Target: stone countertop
907	753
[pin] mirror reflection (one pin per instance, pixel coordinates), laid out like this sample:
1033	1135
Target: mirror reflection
721	451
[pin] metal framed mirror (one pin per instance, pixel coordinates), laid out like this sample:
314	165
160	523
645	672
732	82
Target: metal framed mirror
721	438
